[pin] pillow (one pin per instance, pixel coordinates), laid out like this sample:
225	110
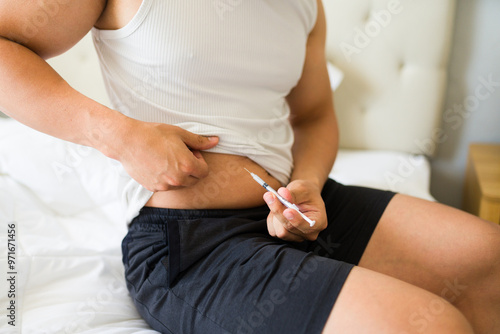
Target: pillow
335	74
67	177
396	171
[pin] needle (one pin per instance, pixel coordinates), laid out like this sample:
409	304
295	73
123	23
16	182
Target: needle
281	198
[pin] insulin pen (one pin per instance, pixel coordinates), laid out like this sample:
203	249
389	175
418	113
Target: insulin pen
282	200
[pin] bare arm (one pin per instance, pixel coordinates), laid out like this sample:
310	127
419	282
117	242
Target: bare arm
315	148
156	155
30	90
312	113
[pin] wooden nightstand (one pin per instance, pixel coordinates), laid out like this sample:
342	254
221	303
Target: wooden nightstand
482	182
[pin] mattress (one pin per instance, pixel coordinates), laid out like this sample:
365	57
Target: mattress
62	224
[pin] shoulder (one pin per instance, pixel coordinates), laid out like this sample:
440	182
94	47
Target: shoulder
48	27
319	29
312	94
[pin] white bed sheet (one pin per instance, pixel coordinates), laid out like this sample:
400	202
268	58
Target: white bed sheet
69	226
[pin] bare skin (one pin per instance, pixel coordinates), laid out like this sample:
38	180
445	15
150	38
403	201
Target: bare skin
442	250
405	268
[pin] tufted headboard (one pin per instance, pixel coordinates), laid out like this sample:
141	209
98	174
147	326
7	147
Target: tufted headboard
394	55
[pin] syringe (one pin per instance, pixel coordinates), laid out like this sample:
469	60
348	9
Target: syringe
281	198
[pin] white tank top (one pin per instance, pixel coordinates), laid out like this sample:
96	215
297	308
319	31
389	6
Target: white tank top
212	67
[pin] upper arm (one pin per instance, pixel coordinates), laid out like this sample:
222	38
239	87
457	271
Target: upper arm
312	96
48	27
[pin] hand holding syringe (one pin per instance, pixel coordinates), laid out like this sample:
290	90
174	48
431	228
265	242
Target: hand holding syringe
281	198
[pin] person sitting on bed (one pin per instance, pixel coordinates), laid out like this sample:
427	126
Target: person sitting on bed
200	91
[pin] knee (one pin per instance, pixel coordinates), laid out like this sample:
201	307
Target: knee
480	255
487	254
495	250
495	247
386	304
436	315
439	317
476	265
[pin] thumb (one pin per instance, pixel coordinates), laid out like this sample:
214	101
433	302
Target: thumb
286	194
298	191
197	142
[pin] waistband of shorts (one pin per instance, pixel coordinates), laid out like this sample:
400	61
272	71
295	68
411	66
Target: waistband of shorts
151	215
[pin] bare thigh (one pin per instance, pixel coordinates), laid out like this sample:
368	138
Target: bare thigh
436	247
371	302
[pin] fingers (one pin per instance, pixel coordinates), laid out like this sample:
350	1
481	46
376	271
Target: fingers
197	154
286	194
288	224
302	191
165	157
282	222
276	229
195	166
198	142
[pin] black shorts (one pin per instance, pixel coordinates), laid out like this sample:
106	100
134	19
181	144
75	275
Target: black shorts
219	271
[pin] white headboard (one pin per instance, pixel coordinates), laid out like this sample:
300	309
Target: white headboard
394	55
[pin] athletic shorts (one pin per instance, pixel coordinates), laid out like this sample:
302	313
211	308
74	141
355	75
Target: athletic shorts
219	271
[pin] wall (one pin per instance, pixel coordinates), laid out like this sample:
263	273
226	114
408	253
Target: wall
472	108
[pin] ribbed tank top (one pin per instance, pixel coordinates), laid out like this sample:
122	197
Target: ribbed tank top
212	67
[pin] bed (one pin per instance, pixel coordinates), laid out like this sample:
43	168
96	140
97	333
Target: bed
62	221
